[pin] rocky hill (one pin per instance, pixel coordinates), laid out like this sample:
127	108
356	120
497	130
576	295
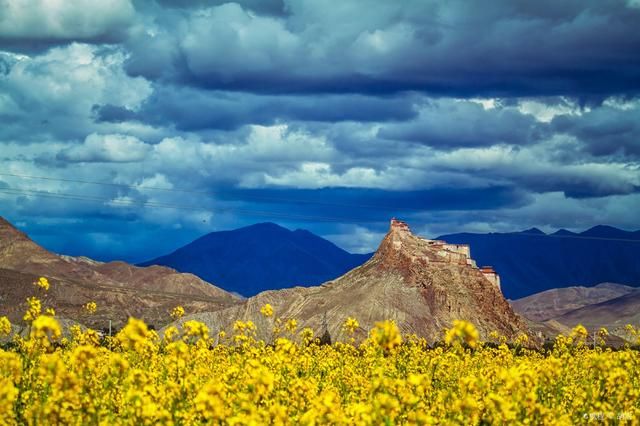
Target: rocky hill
421	284
119	289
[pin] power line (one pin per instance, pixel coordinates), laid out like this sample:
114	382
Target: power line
209	193
152	204
250	212
241	211
580	237
121	185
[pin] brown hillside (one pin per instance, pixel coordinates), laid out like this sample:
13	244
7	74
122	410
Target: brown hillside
612	314
558	301
119	289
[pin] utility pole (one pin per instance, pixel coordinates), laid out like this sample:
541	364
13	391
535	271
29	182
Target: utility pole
109	328
326	337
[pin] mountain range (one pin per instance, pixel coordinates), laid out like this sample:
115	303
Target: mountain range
260	257
531	261
267	256
423	285
406	280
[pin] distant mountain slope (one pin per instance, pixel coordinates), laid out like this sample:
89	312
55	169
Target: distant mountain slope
119	289
261	257
612	314
531	261
558	301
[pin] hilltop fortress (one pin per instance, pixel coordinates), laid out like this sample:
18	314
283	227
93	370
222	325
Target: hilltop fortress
449	253
423	285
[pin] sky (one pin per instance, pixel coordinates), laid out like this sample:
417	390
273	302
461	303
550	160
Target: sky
130	127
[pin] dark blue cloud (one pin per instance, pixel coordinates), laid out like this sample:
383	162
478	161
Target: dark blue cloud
107	238
448	125
113	113
105	234
366	204
447	49
193	110
604	131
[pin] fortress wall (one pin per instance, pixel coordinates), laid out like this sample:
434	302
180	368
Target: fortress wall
491	275
462	249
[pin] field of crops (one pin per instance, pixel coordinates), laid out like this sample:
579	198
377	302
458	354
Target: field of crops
187	376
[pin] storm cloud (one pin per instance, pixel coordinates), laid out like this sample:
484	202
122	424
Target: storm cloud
453	48
123	123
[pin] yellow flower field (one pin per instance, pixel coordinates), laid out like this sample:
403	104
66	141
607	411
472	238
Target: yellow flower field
185	376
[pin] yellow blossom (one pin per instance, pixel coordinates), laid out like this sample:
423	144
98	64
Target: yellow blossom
44	331
42	283
267	310
462	332
34	309
291	325
195	329
307	335
386	335
5	326
350	325
177	313
137	378
90	307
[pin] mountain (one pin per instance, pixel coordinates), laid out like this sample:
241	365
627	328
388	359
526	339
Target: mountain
558	310
421	284
119	289
531	261
261	257
612	314
552	303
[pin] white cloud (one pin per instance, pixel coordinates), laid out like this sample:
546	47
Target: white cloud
64	19
544	112
246	159
356	239
227	40
108	149
53	95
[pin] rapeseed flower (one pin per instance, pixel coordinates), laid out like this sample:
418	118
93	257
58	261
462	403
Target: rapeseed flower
42	283
189	378
90	307
267	310
34	309
5	326
462	332
351	325
177	313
